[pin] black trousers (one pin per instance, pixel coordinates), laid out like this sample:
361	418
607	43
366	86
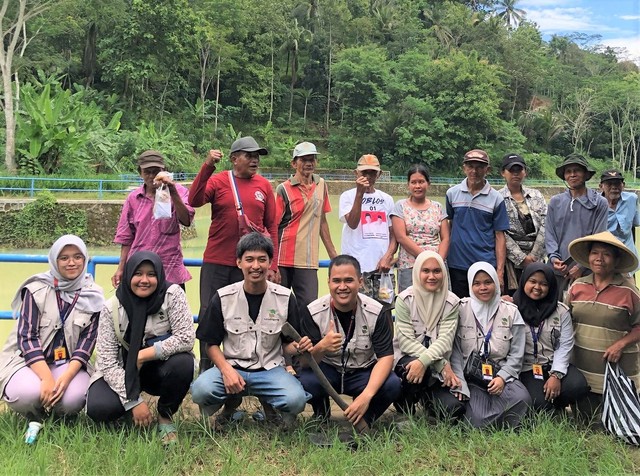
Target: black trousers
573	387
354	383
212	278
429	393
459	282
169	379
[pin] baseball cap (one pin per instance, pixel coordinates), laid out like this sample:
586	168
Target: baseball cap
611	174
368	162
150	158
248	144
510	160
476	155
304	148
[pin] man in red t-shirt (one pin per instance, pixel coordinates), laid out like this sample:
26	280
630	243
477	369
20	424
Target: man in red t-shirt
258	203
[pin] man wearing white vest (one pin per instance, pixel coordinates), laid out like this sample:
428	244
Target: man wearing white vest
244	341
353	341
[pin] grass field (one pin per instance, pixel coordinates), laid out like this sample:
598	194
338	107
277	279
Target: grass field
542	446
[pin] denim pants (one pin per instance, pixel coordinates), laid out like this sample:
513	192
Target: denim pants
354	383
276	387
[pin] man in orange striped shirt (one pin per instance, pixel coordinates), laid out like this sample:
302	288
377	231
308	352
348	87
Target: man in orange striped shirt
301	206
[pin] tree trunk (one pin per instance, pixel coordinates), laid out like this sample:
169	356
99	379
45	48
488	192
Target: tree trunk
515	99
10	125
293	83
328	85
304	115
89	57
215	121
613	145
273	73
205	52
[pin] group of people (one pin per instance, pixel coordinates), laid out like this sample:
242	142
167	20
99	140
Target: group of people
480	333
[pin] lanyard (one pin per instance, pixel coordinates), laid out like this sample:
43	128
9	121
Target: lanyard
535	336
64	315
344	357
487	336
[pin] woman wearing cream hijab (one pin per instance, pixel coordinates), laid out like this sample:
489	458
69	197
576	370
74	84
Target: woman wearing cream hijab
426	322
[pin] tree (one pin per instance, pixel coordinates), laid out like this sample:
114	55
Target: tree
619	102
434	16
522	61
148	55
442	108
579	117
13	34
296	36
307	95
361	77
510	14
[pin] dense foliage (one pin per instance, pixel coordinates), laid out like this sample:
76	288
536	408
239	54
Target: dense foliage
409	80
41	222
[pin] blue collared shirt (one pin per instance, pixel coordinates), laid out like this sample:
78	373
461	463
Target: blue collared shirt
624	218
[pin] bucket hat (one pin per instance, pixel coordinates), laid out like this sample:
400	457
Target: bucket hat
574	159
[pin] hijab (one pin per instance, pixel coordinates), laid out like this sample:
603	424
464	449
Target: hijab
534	312
430	304
90	298
483	311
138	309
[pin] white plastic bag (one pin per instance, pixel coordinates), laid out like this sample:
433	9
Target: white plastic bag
162	204
386	292
620	405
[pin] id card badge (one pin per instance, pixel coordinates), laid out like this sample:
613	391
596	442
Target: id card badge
60	355
537	372
487	372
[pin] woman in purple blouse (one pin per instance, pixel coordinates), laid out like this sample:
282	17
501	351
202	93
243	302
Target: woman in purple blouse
44	365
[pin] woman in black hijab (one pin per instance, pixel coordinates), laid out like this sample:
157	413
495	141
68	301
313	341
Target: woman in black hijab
145	339
551	380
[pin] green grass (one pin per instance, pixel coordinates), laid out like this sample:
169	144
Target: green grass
541	447
80	448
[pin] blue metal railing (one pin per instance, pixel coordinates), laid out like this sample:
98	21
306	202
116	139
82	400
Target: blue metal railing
91	267
32	185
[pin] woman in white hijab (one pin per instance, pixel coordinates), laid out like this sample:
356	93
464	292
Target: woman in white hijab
44	366
487	353
426	322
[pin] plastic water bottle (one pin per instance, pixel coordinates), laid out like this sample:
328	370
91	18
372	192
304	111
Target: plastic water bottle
31	435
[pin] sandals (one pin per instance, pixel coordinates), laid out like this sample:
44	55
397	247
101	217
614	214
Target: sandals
31	436
168	433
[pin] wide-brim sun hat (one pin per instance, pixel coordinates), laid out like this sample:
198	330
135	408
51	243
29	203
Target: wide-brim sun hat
580	248
575	159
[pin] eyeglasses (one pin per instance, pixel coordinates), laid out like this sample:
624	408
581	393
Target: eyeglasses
67	258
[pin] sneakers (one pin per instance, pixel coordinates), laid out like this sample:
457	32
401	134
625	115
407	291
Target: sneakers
31	436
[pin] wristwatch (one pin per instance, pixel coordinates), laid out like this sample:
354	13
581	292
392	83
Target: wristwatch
556	374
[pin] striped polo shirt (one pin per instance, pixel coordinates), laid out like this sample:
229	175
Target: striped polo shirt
299	210
600	319
474	221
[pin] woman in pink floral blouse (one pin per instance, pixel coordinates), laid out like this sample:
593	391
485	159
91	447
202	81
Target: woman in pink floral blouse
419	224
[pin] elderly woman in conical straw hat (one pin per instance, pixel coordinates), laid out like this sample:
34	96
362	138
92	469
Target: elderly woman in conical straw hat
605	307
